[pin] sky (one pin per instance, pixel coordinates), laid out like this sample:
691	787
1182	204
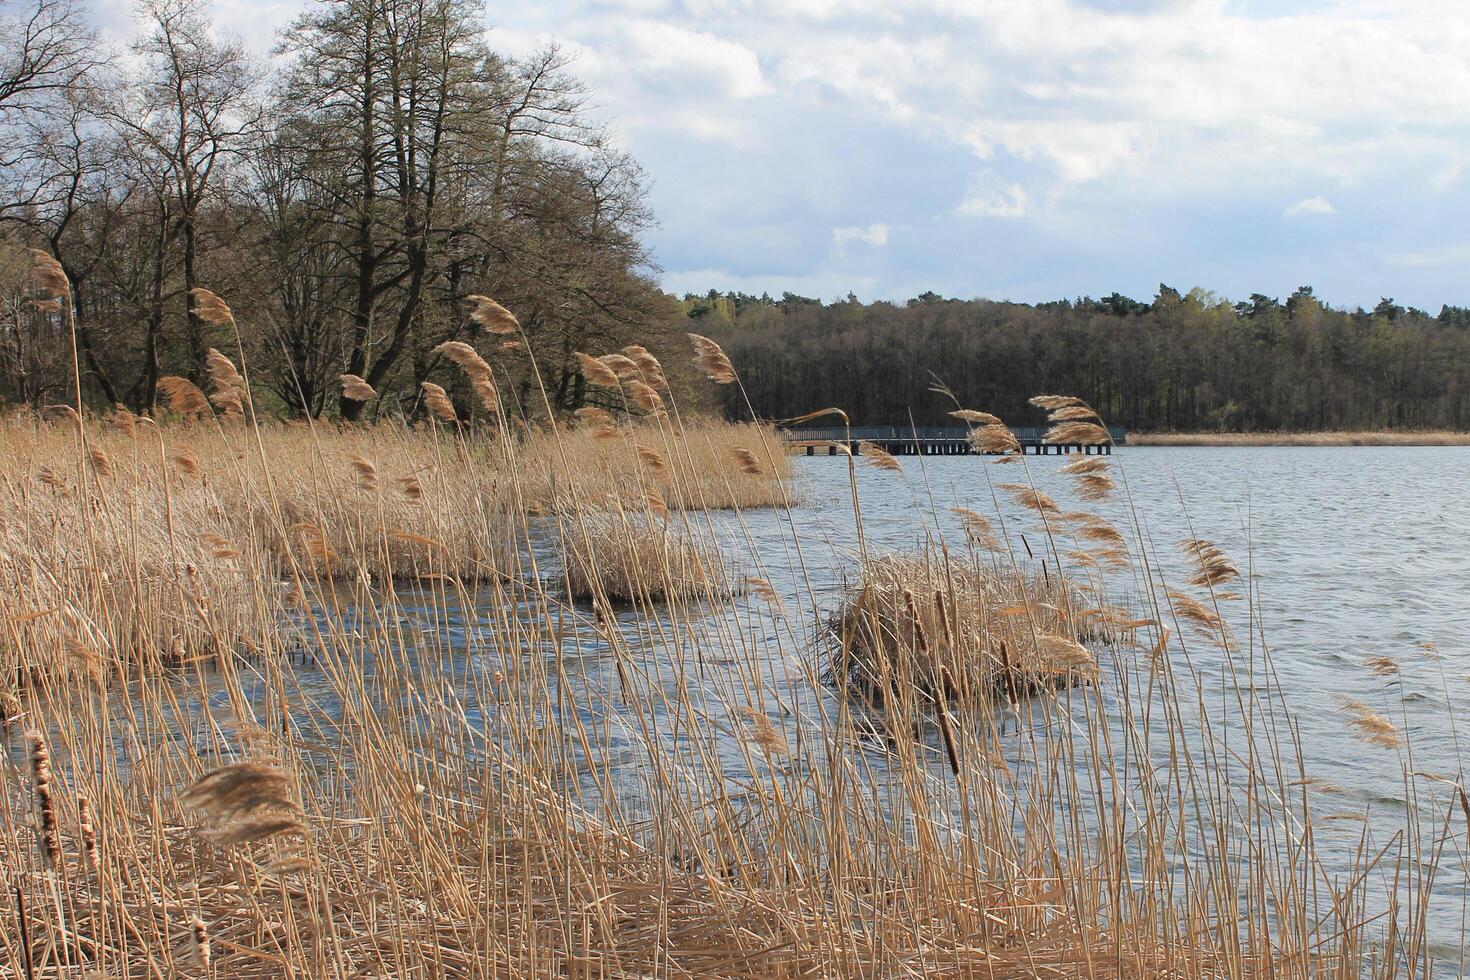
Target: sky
1026	149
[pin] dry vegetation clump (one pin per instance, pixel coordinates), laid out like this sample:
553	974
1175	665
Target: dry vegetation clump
954	629
702	465
1385	437
626	556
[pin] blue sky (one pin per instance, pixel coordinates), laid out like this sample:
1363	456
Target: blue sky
1029	149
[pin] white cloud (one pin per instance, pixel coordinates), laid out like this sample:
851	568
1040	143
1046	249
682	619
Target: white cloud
992	197
1446	255
1311	205
875	235
683	57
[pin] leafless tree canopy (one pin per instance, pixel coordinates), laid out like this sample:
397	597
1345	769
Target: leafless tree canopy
344	202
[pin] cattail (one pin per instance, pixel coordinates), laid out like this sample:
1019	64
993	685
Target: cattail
651	459
357	390
748	461
492	316
88	829
210	308
45	805
10	709
645	397
100	462
1028	496
879	457
367	473
596	372
123	421
648	366
47	275
976	418
593	416
184	397
199	940
712	360
438	401
470	362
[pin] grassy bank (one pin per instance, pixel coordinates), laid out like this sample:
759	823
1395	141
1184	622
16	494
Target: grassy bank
1380	438
558	720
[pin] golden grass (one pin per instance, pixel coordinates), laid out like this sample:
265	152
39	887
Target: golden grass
956	629
410	754
1386	437
627	556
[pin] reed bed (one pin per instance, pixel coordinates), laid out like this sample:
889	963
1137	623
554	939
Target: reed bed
467	772
1387	437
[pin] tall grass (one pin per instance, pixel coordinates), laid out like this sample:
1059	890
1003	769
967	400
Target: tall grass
343	710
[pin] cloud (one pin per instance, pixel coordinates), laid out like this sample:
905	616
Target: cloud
1446	255
991	197
875	235
686	57
1310	205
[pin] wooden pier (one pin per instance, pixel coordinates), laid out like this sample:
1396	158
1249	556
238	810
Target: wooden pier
934	440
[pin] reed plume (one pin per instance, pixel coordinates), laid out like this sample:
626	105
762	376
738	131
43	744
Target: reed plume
747	461
1028	496
879	458
470	362
1077	434
1212	566
596	372
438	401
652	459
492	316
183	396
1371	727
712	360
1053	402
593	416
244	802
1085	466
123	420
622	366
367	473
210	308
645	397
357	390
976	418
47	275
648	366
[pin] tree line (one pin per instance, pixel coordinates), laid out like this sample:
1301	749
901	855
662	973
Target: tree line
1181	362
344	197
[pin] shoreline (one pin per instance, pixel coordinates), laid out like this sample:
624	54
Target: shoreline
1374	438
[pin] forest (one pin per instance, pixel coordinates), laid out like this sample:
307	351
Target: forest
347	194
343	198
1182	362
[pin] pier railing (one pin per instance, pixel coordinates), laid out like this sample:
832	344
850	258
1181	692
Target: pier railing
937	440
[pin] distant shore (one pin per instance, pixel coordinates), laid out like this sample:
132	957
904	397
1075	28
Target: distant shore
1377	438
